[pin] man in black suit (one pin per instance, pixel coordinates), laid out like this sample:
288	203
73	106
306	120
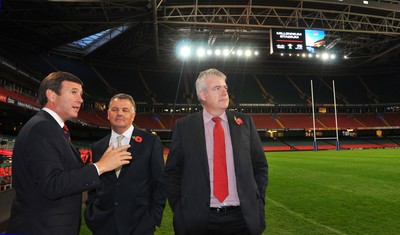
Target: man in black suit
48	175
131	200
194	180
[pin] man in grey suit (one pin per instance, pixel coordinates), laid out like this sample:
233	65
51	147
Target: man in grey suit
196	175
48	173
130	200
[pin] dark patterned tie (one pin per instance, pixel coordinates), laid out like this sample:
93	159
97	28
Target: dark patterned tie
220	170
66	132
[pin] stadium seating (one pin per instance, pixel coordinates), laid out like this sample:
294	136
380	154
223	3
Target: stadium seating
371	120
263	121
393	119
344	121
148	121
18	97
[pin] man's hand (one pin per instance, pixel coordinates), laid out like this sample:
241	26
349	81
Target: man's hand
113	158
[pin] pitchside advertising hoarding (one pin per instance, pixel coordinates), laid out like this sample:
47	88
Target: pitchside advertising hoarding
297	40
13	101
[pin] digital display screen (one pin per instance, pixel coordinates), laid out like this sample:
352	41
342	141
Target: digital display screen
296	40
315	40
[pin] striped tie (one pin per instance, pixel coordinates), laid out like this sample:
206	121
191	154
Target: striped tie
119	143
66	132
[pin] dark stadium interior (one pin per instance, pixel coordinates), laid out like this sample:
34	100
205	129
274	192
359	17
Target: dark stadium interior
141	59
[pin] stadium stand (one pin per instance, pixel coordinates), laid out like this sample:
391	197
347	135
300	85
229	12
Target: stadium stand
393	119
371	120
18	96
263	121
275	86
169	119
344	121
148	121
293	121
93	117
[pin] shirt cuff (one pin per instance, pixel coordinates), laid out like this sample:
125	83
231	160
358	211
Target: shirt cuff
97	169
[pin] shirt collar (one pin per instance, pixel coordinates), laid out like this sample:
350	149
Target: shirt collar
207	116
55	116
128	133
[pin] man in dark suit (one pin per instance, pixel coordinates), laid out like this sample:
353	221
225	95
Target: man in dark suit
131	200
196	175
48	174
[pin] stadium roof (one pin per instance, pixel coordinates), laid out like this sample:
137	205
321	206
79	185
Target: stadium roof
143	34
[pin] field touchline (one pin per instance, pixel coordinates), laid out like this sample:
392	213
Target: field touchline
304	218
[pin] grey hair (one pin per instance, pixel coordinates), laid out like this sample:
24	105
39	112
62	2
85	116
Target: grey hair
201	80
123	96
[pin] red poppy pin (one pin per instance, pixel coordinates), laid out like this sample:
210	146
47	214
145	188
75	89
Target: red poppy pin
138	139
238	121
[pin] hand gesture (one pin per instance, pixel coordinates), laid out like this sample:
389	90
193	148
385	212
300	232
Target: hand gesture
113	158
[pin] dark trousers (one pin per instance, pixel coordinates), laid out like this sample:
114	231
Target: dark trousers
227	222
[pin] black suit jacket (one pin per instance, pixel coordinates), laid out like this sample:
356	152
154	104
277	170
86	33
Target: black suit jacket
188	178
49	178
134	202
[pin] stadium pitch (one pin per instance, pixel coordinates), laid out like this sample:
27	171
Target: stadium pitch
328	192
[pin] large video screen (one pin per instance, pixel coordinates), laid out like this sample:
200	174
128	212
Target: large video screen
315	40
296	40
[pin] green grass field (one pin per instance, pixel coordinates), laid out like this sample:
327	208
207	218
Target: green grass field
328	192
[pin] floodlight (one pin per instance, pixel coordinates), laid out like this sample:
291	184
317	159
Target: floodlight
184	51
225	52
325	56
183	48
201	52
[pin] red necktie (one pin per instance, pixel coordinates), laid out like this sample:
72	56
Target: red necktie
220	171
66	132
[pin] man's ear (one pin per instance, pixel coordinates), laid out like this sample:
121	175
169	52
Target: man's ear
202	96
51	95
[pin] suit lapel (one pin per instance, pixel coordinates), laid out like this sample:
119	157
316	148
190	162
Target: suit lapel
77	153
234	129
103	145
133	149
133	143
61	133
196	127
75	150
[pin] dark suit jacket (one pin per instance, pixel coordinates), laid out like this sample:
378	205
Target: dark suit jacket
188	179
49	178
134	202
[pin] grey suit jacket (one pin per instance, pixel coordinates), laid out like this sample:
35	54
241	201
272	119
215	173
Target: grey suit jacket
134	202
187	174
49	178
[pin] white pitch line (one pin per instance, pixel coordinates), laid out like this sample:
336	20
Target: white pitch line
304	218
